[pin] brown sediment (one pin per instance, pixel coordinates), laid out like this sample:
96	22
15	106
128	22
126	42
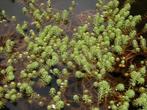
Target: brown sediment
7	29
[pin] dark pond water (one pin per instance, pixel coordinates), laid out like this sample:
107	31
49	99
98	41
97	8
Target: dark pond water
14	9
82	5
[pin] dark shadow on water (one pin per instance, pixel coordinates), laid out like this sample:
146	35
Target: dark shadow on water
139	7
22	105
44	91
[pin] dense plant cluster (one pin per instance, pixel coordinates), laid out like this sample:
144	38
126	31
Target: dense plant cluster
77	68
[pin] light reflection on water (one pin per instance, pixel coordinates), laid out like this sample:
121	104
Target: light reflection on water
81	5
13	9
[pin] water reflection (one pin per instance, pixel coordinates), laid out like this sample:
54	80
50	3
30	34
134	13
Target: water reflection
13	9
81	5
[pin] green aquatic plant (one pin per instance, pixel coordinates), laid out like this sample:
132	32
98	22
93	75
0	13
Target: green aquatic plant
103	89
76	98
141	101
120	87
97	63
130	93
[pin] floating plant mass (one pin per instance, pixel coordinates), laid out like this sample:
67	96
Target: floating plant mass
97	64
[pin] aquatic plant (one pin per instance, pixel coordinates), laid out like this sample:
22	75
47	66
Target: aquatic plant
97	66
